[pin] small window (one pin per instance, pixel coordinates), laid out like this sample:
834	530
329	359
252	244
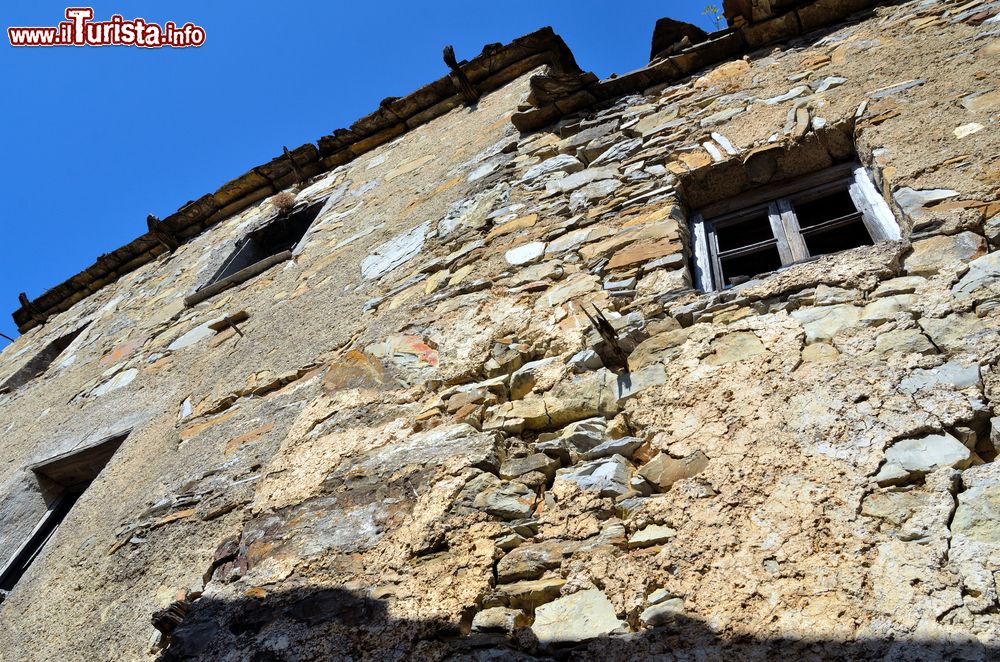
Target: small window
827	212
62	480
259	251
41	361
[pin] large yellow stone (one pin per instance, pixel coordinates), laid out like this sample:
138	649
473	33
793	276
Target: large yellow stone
436	280
641	252
234	444
694	160
513	226
195	429
663	213
461	274
409	167
405	295
725	75
984	102
356	369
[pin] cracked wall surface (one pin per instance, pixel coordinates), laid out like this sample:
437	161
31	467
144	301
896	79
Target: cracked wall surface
408	441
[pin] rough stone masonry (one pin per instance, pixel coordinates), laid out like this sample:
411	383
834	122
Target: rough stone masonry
403	439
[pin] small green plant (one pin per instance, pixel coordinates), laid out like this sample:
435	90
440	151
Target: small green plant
714	13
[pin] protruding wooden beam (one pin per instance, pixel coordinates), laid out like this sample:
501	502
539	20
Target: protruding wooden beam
295	168
33	312
155	226
469	93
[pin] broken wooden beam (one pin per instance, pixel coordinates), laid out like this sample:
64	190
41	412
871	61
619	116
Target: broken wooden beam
469	93
295	169
156	229
29	308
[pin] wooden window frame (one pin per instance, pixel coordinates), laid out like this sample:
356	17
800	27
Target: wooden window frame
778	201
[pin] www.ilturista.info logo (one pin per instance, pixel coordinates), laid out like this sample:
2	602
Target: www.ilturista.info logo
81	30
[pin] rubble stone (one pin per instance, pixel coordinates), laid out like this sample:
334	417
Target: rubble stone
928	453
936	253
499	619
609	477
653	534
664	470
822	324
577	617
662	613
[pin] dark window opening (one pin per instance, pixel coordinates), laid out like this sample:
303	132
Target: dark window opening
824	209
32	548
63	480
826	212
741	268
745	233
276	237
260	250
849	235
41	361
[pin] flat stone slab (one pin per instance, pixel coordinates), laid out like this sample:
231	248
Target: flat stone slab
530	593
926	454
983	272
913	199
895	89
664	470
977	517
525	253
823	322
664	612
951	375
653	534
532	561
610	476
562	163
577	617
394	253
192	337
937	253
734	347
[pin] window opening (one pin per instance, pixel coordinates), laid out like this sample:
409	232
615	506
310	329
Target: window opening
259	250
41	361
63	479
826	212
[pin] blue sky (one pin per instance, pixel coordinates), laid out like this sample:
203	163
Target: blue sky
94	139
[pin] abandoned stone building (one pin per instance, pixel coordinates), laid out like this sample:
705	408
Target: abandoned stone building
695	362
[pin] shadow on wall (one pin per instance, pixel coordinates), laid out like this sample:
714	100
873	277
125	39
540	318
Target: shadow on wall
333	624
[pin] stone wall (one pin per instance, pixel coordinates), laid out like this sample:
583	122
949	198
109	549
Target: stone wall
413	444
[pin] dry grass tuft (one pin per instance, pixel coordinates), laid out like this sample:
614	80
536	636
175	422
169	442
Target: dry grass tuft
283	202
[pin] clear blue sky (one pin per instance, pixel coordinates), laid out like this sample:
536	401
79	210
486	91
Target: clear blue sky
94	139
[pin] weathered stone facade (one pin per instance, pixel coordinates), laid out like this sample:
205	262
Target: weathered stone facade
407	441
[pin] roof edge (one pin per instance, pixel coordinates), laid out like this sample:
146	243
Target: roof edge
564	90
494	67
555	96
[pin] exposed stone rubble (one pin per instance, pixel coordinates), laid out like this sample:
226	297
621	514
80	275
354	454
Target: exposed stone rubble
419	448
